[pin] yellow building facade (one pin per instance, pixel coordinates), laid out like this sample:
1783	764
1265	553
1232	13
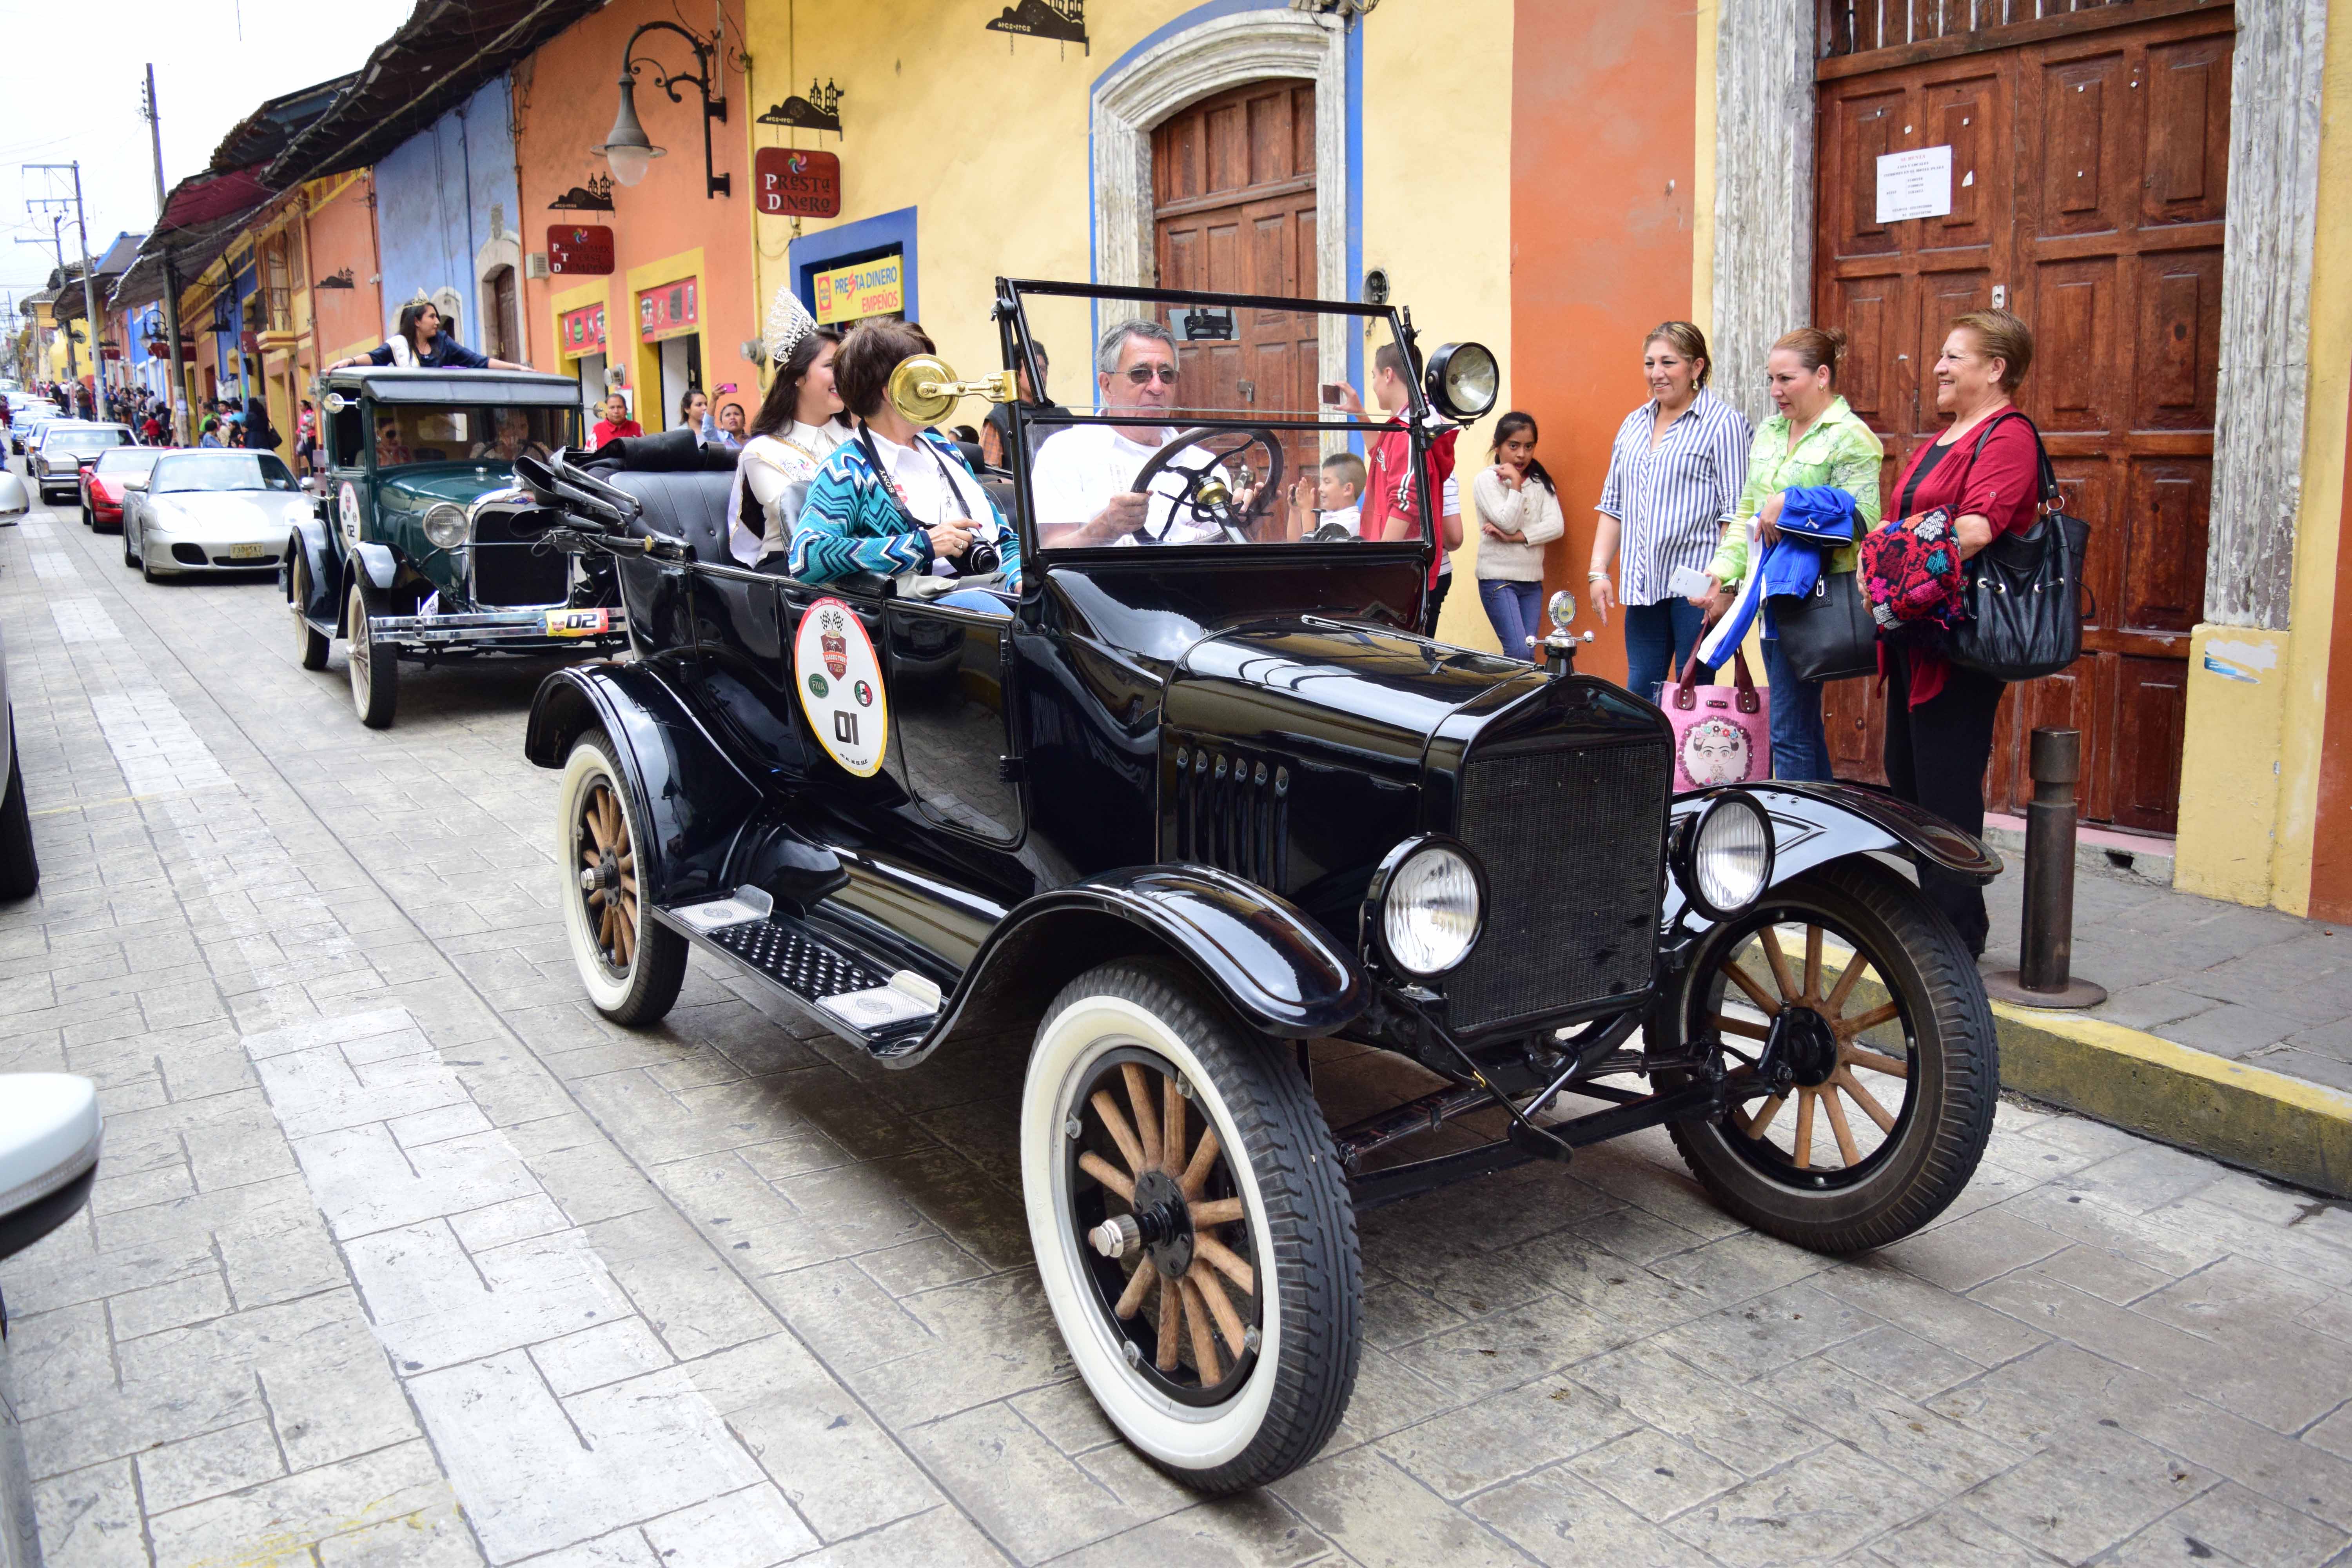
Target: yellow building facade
969	153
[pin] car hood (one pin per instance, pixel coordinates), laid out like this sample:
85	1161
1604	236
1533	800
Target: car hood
416	486
263	513
1363	689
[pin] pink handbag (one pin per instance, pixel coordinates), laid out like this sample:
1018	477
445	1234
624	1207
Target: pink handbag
1722	734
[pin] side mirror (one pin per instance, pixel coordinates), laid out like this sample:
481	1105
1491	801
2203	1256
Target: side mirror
49	1136
135	483
14	502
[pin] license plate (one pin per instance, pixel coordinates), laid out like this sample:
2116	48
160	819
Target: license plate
247	552
577	623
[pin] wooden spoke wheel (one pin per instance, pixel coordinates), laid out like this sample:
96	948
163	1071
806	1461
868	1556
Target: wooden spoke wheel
1174	1263
631	964
1850	1020
1191	1228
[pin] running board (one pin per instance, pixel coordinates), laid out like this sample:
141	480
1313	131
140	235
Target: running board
886	1010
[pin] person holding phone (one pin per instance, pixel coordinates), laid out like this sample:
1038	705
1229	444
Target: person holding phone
1391	506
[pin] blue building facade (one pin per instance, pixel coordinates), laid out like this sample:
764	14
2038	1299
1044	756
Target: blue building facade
448	210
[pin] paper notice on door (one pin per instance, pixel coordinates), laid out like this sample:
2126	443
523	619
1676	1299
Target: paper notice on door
1917	183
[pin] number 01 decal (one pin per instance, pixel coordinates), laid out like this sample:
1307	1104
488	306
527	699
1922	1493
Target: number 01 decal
840	683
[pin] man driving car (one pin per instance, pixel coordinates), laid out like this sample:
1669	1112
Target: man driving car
1084	483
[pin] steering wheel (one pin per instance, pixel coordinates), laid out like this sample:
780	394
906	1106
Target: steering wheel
1205	496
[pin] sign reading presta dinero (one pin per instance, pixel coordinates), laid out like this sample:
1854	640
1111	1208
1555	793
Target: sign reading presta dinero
790	182
863	289
585	249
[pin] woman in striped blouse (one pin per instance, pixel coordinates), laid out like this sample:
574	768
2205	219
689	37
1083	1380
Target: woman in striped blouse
1673	474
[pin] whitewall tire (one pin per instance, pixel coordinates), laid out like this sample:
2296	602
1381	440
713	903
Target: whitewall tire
1234	1206
631	965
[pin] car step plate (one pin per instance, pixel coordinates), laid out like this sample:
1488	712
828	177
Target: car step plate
878	1008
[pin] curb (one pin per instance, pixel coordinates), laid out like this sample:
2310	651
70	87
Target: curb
2265	1121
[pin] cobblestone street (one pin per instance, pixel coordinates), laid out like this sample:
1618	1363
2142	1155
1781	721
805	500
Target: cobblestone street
399	1254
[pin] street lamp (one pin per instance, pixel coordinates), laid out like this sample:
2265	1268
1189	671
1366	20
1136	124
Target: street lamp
628	149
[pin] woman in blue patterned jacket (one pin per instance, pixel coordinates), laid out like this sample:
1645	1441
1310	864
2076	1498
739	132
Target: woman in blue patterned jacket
896	499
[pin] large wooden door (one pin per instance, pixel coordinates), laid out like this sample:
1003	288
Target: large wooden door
1233	182
2088	190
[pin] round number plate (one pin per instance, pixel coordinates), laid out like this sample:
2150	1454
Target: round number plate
840	682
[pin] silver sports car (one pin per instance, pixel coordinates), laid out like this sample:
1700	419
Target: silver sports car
210	510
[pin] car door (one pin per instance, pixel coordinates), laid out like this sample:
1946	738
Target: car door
950	700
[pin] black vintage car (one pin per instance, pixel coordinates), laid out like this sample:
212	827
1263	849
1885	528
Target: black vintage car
1181	810
400	558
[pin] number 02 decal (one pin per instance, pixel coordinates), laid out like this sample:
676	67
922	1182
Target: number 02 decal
840	682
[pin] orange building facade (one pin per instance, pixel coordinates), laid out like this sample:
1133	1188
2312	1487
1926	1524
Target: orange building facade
671	303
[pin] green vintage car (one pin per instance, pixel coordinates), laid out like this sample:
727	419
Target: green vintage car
403	558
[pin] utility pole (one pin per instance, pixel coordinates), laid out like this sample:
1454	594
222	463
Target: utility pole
88	284
57	238
175	397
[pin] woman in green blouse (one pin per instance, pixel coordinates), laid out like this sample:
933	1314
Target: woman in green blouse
1814	439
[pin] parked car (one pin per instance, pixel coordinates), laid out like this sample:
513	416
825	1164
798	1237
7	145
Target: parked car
204	510
405	560
63	446
102	479
1181	811
20	870
29	425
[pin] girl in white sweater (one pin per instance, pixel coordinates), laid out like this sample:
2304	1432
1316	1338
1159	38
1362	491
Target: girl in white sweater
1518	515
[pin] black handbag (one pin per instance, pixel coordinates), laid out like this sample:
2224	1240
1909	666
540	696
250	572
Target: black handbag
2022	595
1827	634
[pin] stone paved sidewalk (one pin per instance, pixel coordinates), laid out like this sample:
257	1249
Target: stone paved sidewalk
401	1255
2259	985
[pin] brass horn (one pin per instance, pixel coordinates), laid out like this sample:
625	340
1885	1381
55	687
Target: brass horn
924	389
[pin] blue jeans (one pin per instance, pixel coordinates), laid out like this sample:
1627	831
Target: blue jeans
1512	609
1800	746
1658	637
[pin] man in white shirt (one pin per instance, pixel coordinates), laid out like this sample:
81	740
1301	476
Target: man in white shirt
1083	484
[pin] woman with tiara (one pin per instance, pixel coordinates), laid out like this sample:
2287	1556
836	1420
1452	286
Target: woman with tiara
799	424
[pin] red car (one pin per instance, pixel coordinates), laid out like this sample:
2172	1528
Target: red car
101	482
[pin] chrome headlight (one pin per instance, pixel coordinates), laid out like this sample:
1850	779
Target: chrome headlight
1428	899
444	525
1725	860
1463	381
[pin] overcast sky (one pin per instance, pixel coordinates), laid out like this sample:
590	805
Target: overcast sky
70	75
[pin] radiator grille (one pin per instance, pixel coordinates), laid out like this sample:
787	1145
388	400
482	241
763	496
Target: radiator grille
1233	813
508	571
1573	844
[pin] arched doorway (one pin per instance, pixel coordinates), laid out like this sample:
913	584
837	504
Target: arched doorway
1234	211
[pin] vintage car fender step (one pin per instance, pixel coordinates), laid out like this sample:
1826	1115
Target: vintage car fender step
886	1009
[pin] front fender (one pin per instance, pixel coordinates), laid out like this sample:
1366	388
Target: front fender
1813	824
685	788
1273	966
310	541
377	565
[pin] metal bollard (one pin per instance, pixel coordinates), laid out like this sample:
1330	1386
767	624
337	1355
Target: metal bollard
2046	941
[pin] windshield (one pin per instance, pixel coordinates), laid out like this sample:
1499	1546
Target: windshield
223	471
128	461
1172	420
490	432
83	442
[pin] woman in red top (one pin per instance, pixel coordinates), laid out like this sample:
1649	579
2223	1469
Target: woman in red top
1985	471
616	423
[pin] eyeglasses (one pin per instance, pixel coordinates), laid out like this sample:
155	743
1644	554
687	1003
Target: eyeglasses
1141	375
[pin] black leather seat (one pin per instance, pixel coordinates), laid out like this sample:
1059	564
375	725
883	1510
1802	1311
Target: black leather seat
682	486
